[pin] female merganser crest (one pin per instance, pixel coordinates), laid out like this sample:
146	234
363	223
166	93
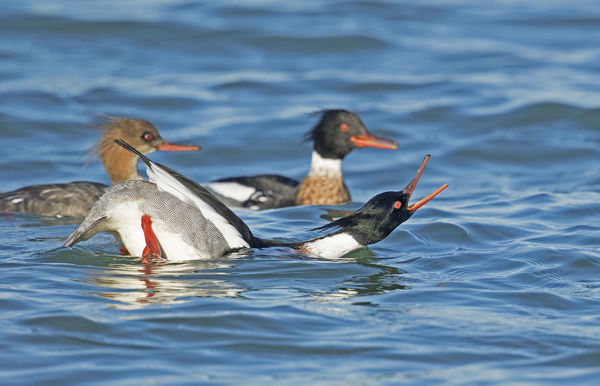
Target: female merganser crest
75	199
174	218
336	134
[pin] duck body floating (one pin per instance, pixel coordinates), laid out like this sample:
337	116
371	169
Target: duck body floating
74	199
336	134
173	218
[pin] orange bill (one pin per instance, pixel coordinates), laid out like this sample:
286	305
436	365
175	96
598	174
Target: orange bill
412	184
368	140
409	189
168	146
425	200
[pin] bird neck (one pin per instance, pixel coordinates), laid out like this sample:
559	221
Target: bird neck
324	167
330	246
324	183
120	164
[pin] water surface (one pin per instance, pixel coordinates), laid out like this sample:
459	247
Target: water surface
496	280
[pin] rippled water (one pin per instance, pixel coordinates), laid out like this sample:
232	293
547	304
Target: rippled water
496	280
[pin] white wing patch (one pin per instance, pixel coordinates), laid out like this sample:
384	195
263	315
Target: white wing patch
167	183
232	190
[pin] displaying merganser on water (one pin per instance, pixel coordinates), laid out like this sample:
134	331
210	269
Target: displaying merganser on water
174	218
74	199
337	134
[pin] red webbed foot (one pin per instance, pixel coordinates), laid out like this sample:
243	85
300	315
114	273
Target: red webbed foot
152	250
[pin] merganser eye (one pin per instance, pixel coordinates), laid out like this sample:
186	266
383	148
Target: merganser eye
147	136
344	127
397	204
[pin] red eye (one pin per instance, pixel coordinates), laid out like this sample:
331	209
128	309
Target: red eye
397	204
147	136
344	127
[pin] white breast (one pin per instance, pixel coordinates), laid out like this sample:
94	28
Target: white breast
126	217
333	246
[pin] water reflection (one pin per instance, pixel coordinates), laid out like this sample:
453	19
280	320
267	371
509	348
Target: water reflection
135	285
386	279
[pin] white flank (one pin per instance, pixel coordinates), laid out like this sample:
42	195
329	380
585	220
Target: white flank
167	183
16	200
173	245
126	219
332	246
232	190
324	167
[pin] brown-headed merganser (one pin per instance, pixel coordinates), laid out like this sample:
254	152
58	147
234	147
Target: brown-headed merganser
174	218
74	199
337	134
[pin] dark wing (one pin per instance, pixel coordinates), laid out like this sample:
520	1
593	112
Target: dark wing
269	191
73	199
202	193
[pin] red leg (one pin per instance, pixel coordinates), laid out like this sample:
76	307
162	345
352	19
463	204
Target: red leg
152	249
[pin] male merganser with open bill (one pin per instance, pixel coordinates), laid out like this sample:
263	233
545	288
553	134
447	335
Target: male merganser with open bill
174	218
74	199
336	134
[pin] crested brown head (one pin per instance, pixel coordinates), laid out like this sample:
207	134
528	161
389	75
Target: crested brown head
141	134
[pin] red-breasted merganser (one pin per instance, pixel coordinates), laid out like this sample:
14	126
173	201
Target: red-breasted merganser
336	134
74	199
174	218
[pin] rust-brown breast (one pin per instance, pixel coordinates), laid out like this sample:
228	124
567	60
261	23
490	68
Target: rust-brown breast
322	190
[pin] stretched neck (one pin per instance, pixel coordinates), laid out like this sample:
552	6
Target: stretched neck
324	167
120	164
330	246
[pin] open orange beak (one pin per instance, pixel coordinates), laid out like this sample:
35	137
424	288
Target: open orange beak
411	187
368	140
168	146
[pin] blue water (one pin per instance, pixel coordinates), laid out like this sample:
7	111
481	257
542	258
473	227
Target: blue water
497	280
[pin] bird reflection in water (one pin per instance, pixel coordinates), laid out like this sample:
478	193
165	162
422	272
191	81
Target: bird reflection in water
134	286
171	283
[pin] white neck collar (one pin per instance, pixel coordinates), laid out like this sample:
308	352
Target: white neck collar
324	167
